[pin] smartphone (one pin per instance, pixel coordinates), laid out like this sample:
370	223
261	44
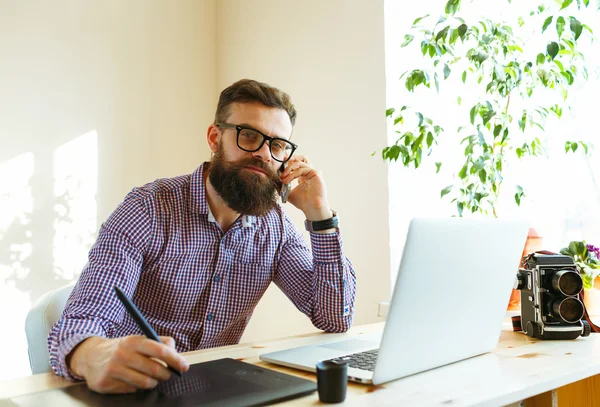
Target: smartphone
285	188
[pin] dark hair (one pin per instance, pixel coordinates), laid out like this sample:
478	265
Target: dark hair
248	90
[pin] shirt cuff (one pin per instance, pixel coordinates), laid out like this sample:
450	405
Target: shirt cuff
326	248
66	346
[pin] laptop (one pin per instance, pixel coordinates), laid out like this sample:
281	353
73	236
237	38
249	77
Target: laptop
452	289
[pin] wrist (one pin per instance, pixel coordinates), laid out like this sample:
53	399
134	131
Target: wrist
318	212
76	360
323	226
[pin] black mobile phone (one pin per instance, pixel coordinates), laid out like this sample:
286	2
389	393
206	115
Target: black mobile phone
285	188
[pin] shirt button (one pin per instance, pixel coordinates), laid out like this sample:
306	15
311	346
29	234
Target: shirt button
209	317
217	278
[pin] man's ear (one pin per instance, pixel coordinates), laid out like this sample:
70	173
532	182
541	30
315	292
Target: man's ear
213	136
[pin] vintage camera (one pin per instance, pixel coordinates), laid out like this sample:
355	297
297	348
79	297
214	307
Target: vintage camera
550	307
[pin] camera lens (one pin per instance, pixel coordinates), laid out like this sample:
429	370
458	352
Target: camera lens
569	309
567	282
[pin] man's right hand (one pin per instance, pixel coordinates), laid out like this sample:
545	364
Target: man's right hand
123	365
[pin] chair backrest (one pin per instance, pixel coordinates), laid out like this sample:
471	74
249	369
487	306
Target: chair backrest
40	318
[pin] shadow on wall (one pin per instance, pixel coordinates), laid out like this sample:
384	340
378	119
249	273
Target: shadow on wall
47	226
48	220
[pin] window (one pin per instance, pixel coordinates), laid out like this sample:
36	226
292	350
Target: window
562	191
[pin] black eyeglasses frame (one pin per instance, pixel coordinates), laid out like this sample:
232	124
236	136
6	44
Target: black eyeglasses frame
266	138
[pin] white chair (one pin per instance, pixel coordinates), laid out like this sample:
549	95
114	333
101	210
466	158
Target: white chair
40	318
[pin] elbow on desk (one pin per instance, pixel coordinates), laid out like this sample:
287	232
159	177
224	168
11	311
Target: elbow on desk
340	325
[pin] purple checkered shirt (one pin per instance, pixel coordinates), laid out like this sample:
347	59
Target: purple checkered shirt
193	282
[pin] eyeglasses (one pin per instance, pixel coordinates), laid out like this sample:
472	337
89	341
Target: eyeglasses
252	140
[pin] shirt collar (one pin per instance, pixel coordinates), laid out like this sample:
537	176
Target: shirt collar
200	204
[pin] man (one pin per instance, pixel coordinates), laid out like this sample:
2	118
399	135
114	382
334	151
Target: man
196	253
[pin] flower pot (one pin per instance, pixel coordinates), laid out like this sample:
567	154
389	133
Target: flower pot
591	299
534	242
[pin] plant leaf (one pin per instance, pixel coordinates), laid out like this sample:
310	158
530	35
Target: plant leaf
560	25
552	49
452	6
576	27
463	172
497	130
547	22
462	30
565	4
459	207
438	165
420	117
446	190
407	40
442	33
540	58
446	71
420	18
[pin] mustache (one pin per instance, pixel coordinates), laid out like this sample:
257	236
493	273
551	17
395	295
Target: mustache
254	162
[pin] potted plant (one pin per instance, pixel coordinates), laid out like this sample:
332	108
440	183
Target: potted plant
517	89
587	259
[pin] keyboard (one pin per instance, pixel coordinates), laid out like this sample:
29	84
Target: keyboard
363	360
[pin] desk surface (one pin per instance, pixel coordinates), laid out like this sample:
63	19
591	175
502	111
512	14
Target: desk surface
519	367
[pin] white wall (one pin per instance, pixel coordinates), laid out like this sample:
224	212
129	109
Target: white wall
329	56
97	97
136	76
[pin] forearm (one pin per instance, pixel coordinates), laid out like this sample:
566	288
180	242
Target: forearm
335	288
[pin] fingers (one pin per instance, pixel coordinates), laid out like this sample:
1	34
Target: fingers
301	158
168	340
156	369
297	169
160	351
134	378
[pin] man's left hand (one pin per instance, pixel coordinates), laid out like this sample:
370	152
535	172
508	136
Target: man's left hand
310	195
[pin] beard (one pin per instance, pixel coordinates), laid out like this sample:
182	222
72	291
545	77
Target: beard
244	191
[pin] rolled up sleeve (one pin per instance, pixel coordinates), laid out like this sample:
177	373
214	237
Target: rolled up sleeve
115	259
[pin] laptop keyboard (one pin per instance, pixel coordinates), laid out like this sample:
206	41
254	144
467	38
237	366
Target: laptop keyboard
363	360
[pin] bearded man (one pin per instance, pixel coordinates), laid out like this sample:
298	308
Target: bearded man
196	253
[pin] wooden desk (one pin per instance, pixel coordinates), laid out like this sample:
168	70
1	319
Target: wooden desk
519	368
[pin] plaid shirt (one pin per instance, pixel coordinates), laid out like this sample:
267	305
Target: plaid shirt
164	249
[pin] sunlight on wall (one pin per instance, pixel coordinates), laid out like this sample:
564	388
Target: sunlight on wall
16	207
26	269
75	186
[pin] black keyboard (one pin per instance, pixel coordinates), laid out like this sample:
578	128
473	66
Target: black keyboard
364	360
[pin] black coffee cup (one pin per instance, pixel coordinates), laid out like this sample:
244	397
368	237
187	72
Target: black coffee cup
332	381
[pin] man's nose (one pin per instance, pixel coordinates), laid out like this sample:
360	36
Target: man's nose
263	153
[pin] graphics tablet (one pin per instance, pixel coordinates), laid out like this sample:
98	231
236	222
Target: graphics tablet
222	382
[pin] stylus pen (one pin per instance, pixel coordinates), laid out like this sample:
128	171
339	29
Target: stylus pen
140	320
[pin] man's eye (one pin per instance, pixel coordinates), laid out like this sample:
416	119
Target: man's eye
251	135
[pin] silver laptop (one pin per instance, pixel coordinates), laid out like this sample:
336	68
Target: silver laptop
450	298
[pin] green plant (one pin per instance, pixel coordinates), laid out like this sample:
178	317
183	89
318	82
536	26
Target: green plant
586	257
495	61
